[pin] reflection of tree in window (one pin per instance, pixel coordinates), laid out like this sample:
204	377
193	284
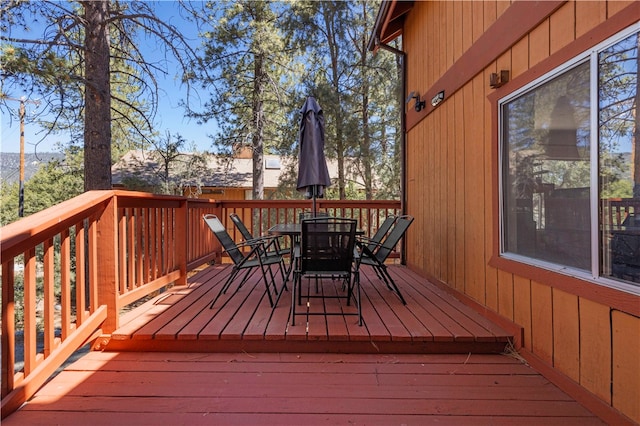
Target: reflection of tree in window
619	121
547	207
548	140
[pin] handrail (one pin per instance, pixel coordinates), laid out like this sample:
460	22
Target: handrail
85	259
259	218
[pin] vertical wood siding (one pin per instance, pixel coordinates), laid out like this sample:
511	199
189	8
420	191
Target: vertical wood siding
450	192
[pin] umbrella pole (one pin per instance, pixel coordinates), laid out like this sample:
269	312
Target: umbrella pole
313	196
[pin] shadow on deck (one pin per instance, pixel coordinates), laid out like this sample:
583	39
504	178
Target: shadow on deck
432	321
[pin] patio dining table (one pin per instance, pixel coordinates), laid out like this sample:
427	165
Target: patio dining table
293	231
286	229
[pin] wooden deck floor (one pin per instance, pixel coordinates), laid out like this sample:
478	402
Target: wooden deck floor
175	361
433	321
146	388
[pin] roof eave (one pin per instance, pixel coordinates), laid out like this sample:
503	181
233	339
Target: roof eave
389	22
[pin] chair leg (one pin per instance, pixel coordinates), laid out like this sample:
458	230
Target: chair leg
289	270
225	286
244	279
358	296
273	280
349	284
380	272
285	275
395	287
266	282
293	297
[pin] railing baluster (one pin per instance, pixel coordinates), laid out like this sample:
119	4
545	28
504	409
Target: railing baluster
92	252
140	247
65	284
81	277
29	307
49	296
122	252
8	326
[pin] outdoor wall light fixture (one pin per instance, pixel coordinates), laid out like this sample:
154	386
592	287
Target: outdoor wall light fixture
419	104
498	79
439	97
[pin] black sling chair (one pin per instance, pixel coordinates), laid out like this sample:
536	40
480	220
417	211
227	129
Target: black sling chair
254	258
376	258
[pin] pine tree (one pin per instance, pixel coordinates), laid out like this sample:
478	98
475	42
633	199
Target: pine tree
249	65
83	48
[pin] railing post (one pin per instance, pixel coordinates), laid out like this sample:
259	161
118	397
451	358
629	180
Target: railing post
107	267
181	236
8	327
218	211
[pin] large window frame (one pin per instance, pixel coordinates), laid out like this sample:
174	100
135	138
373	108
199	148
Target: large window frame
594	272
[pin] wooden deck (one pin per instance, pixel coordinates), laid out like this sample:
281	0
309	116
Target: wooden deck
433	321
175	361
107	388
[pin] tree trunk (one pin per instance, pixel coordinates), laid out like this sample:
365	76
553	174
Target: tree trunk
97	114
328	14
258	133
365	143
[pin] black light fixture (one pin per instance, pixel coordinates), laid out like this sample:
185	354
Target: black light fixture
419	104
498	79
439	97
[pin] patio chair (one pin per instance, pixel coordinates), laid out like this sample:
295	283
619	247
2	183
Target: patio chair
376	258
374	242
271	244
327	250
625	249
255	258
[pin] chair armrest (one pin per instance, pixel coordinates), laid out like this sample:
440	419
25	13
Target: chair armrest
249	243
268	241
365	239
256	252
364	247
255	245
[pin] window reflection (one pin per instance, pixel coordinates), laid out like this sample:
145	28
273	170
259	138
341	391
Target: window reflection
547	171
619	167
546	176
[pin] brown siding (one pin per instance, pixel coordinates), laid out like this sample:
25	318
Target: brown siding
566	334
579	329
626	374
595	348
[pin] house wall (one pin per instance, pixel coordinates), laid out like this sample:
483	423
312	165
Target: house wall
587	333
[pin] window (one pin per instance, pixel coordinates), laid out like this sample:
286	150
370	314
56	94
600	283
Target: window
570	167
272	163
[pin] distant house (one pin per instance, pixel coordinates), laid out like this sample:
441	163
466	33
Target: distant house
219	177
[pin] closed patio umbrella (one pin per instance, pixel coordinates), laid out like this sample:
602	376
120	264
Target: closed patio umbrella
313	174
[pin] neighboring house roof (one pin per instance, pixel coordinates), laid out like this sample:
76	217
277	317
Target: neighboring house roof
220	171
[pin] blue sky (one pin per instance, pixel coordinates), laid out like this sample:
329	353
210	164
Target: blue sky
170	115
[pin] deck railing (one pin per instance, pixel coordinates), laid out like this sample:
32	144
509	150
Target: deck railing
616	210
68	271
